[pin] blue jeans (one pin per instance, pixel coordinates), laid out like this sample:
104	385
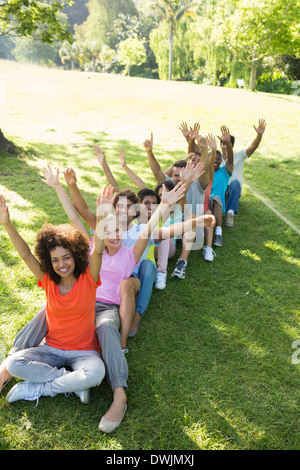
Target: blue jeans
232	196
147	275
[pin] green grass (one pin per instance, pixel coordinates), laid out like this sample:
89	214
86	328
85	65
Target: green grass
211	367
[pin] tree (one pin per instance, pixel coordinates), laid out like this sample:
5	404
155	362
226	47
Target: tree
34	18
131	52
70	52
172	12
102	13
36	52
260	29
6	145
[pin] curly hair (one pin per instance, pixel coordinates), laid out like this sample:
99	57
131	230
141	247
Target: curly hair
66	236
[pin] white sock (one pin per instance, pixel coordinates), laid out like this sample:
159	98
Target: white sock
230	212
218	230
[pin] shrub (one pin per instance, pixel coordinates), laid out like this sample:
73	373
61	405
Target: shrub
275	82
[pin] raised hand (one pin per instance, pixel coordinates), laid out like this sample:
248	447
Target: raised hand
4	213
70	176
261	127
105	201
184	129
51	179
212	143
148	144
189	173
100	155
193	133
225	135
122	158
171	197
202	141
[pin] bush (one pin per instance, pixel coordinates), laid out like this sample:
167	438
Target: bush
275	82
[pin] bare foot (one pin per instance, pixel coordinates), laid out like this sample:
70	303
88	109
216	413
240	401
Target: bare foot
4	376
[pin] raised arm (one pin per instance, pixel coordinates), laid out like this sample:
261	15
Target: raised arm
188	175
80	204
133	176
193	137
226	138
213	146
259	133
18	242
107	171
153	163
203	144
168	199
102	209
52	180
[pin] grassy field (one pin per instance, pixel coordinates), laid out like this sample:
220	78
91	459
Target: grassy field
211	367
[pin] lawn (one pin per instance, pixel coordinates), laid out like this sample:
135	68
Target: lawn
211	367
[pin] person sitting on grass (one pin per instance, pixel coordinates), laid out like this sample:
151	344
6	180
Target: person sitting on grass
219	185
70	275
234	188
194	199
195	144
136	290
166	249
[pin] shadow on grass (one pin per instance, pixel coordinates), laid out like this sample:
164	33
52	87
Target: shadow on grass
211	365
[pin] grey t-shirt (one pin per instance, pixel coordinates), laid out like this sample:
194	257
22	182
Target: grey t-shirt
194	205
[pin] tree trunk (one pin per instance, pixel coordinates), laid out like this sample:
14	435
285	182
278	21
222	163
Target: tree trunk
170	49
253	74
6	145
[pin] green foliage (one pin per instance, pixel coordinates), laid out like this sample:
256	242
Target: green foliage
206	41
34	18
159	45
275	82
131	52
252	31
102	13
36	52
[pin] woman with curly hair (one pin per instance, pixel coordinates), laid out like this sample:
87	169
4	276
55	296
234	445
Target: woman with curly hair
70	276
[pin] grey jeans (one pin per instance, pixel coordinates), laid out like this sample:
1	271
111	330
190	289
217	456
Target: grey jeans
107	321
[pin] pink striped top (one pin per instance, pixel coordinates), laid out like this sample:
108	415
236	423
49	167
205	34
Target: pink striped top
113	270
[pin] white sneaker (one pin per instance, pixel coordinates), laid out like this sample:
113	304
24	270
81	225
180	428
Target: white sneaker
84	395
208	253
229	222
161	281
24	391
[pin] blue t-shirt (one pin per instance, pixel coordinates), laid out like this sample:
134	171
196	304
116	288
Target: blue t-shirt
219	184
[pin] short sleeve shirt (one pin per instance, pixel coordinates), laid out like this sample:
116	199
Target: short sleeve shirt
71	317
